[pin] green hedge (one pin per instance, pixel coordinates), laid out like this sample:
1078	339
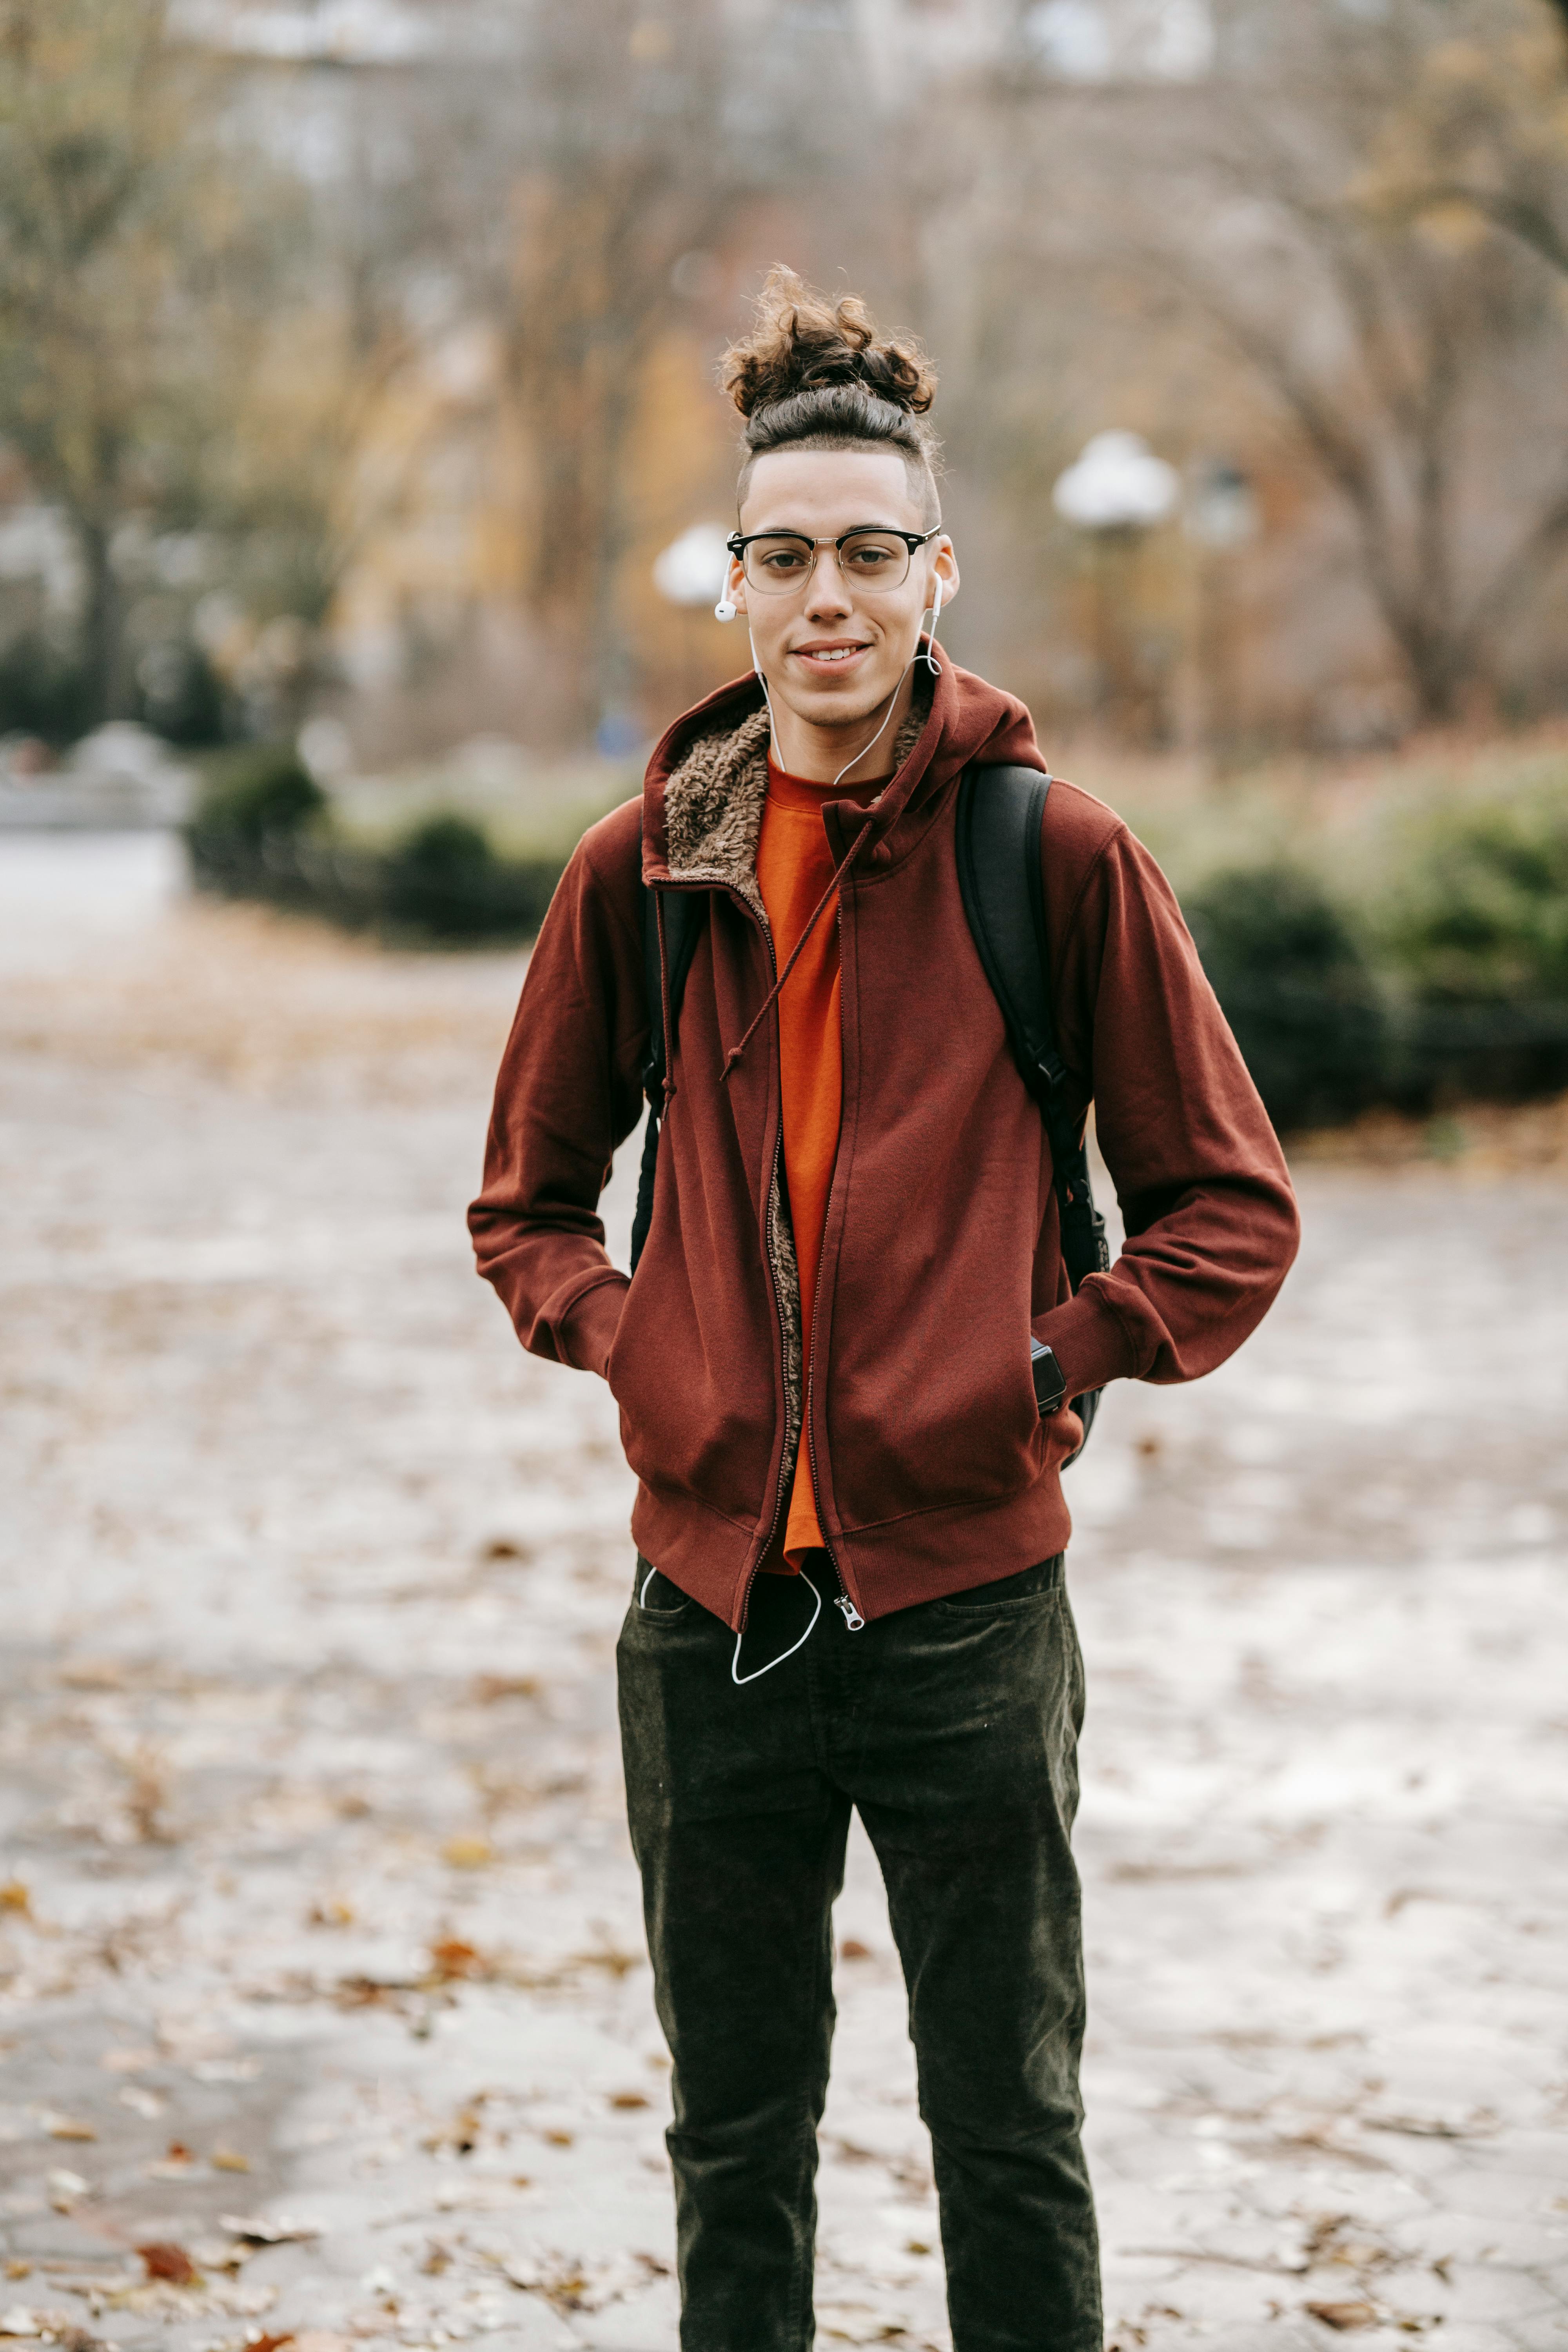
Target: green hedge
1448	980
1476	936
1308	1012
262	830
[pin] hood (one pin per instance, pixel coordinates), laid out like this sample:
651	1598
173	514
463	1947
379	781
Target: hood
703	788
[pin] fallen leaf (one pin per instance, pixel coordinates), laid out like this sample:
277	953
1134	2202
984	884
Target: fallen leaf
559	2139
220	2254
14	1896
365	1992
466	1851
852	1948
489	1688
451	1959
503	1547
333	1913
162	2259
61	2329
1481	2125
285	2231
270	2343
628	2099
1343	2316
70	2128
16	2268
229	2160
916	2246
226	2070
93	1673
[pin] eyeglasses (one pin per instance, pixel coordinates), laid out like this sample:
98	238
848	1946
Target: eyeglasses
778	561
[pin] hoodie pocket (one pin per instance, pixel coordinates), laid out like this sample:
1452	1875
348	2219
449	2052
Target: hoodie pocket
693	1374
933	1431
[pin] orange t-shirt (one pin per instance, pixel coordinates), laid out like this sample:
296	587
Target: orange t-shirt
794	866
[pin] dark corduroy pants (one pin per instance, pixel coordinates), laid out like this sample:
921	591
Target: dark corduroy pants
952	1726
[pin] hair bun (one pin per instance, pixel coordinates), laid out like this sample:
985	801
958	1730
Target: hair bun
803	343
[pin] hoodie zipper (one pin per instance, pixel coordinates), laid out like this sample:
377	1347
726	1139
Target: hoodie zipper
845	1602
775	1183
773	1187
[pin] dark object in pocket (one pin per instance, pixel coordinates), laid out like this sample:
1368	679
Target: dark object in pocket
653	1591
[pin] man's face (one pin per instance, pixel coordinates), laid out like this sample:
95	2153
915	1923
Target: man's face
833	649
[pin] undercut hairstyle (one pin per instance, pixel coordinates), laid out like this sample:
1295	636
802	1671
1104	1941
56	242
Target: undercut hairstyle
816	374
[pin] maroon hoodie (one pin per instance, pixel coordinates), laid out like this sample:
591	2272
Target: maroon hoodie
916	1414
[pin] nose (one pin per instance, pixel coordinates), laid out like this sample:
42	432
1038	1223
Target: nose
829	590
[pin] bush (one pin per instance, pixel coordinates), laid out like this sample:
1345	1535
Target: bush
44	692
1477	936
255	791
442	879
445	881
262	830
1297	990
180	695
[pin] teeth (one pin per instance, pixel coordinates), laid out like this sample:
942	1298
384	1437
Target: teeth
841	654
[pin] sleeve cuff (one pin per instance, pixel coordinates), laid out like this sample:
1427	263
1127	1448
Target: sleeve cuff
1088	1341
589	1328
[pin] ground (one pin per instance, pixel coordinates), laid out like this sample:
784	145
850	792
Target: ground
321	1961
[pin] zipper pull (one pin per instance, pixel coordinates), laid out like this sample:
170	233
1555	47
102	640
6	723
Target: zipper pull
852	1617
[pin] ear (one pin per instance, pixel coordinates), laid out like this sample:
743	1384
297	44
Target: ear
727	609
943	567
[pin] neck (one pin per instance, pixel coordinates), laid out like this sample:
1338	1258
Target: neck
850	753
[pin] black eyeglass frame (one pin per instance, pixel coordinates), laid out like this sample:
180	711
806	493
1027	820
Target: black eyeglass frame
738	542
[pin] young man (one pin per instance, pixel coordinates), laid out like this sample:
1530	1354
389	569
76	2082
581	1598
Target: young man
849	1522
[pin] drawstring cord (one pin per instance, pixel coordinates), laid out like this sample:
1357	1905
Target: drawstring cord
732	1057
668	1093
853	852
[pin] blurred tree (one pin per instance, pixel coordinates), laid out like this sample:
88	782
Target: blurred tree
1410	356
1380	338
146	256
646	141
624	174
1484	130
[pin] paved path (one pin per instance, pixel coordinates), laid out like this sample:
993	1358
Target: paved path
315	1902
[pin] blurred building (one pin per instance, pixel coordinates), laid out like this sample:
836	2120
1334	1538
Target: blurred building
533	227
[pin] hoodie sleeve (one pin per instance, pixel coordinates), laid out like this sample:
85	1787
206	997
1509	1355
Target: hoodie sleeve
569	1093
1210	1217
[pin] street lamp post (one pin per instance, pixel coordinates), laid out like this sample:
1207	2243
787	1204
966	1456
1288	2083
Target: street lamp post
689	573
1116	492
1221	516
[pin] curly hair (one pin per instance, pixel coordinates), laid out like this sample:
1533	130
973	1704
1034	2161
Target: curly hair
816	374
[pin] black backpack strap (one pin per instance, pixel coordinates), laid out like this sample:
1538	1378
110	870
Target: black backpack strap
684	913
1000	814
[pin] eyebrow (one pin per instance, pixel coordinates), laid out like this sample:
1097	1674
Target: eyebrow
792	531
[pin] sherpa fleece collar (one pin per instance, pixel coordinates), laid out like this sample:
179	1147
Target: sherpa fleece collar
718	749
713	802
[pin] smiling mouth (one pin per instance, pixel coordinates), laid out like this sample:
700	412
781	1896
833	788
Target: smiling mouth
829	656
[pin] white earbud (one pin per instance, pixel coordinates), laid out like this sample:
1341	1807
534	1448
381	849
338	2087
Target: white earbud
929	657
725	610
